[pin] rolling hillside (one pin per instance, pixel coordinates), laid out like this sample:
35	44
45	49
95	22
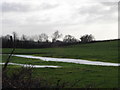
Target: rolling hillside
98	51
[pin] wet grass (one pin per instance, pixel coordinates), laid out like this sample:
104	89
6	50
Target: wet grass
71	75
100	51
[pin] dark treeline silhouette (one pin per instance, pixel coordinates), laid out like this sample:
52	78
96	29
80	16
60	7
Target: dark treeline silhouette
42	40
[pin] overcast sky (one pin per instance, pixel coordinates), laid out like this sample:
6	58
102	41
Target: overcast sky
74	17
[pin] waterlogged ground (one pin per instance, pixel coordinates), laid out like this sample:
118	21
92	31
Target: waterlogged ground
73	75
33	66
70	74
78	61
99	51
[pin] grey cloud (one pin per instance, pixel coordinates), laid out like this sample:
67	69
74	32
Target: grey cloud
38	20
19	7
90	10
48	6
98	12
113	6
97	9
14	7
109	3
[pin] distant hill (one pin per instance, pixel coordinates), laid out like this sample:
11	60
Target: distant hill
97	51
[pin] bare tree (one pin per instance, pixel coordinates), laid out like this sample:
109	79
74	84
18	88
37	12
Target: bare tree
87	38
69	39
33	38
43	37
24	38
15	35
56	35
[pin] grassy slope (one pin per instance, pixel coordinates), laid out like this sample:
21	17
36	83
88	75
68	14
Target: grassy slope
87	75
100	51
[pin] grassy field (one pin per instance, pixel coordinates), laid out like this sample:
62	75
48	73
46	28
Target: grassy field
100	51
73	75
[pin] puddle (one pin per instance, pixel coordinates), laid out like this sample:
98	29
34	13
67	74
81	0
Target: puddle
34	66
78	61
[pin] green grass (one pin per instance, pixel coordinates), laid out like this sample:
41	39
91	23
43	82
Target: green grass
100	51
73	75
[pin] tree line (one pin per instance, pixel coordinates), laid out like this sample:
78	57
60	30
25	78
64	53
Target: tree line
42	40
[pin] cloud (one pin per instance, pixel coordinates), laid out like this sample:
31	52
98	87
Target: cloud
103	11
99	8
109	3
67	16
48	6
15	7
25	7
